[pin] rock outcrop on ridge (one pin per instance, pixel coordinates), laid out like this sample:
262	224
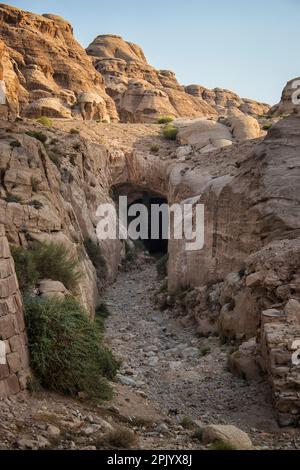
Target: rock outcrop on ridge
290	99
143	94
49	73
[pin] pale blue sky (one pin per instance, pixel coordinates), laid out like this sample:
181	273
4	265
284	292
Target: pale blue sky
251	47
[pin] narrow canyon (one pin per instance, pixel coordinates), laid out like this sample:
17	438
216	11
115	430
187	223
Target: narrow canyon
191	349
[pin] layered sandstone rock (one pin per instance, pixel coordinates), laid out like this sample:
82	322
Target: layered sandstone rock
290	99
52	193
143	94
226	101
246	278
49	68
14	360
9	85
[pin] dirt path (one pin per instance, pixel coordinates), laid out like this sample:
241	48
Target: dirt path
162	360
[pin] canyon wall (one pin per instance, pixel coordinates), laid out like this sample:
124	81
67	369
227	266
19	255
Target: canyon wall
54	75
14	359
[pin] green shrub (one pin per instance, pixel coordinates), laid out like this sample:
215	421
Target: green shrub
155	148
45	121
55	158
74	131
170	132
54	261
267	126
27	273
65	349
15	144
204	351
165	119
102	311
12	198
37	135
45	261
162	266
221	445
94	252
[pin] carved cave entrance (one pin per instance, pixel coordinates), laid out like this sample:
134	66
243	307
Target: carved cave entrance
157	246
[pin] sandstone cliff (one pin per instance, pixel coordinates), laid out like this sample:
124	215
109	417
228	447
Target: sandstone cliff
54	74
143	94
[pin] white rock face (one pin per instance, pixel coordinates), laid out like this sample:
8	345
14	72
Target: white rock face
201	133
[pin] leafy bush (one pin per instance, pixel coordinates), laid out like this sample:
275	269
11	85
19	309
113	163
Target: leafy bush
102	310
267	126
155	148
27	273
204	351
45	261
10	198
221	445
54	261
45	121
55	158
74	131
15	144
170	132
162	266
95	254
65	348
37	135
165	119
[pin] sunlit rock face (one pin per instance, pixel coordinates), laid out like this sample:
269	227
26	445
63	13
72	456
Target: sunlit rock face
143	94
50	69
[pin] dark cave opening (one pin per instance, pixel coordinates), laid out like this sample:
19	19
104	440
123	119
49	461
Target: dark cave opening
154	223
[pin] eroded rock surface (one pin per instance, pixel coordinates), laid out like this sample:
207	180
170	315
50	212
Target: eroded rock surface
143	94
48	69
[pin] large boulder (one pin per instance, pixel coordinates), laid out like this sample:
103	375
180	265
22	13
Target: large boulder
49	289
51	107
203	134
243	127
227	434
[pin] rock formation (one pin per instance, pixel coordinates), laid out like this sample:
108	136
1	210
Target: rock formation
143	94
224	101
290	99
14	360
49	72
244	285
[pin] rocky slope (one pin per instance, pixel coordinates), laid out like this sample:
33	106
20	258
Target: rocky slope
143	94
